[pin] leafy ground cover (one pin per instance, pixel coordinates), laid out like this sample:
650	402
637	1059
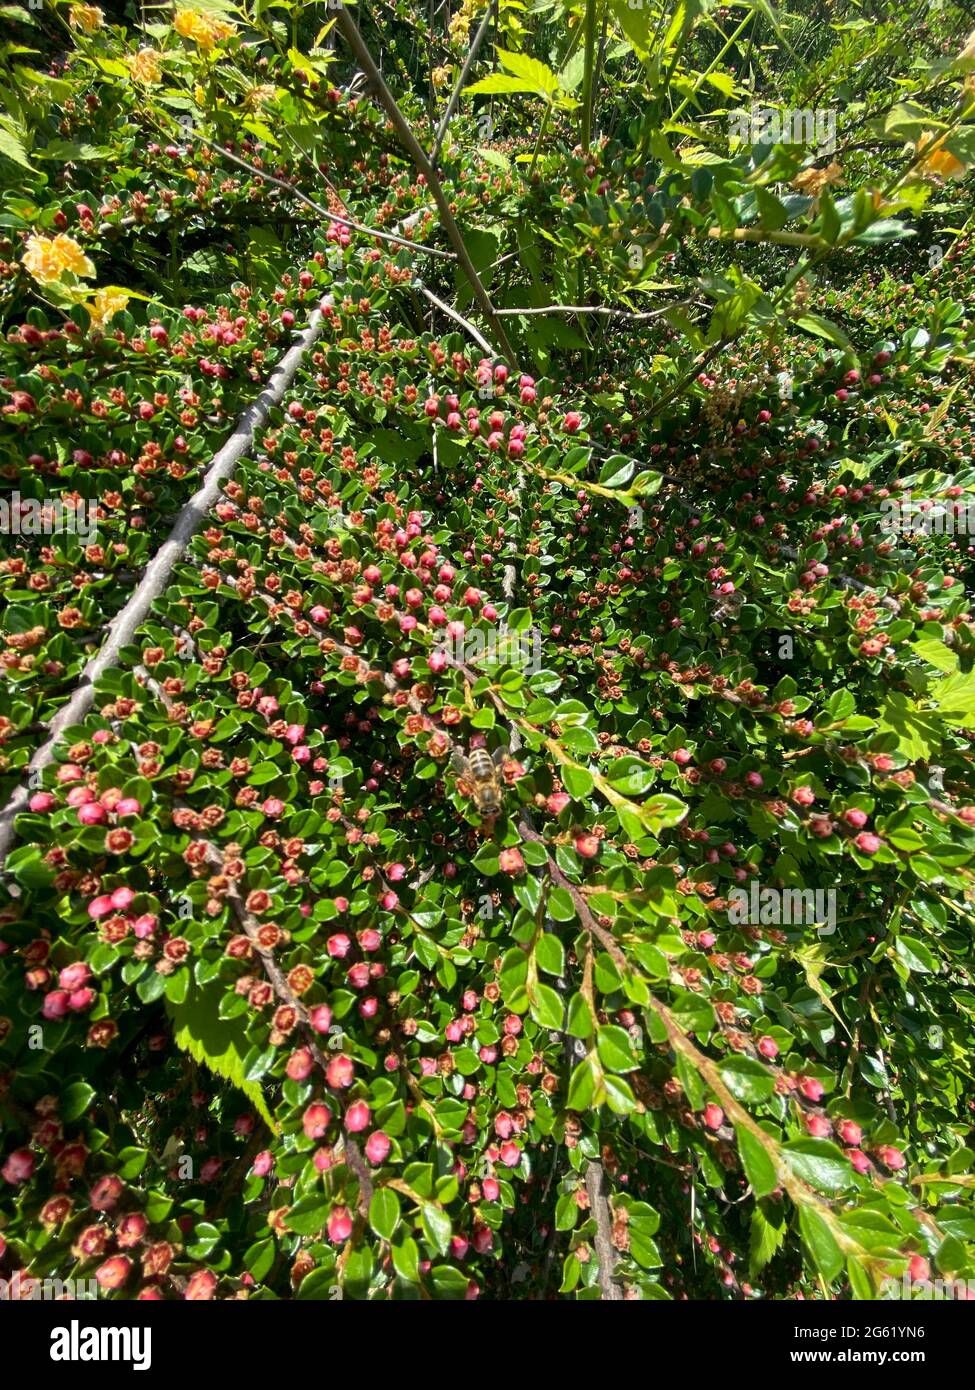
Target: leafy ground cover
506	829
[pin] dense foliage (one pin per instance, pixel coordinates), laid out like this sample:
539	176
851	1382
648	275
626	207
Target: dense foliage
629	446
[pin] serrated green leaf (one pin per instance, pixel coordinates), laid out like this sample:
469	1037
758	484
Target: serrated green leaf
218	1043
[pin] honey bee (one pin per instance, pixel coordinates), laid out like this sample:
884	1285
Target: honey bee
727	607
478	779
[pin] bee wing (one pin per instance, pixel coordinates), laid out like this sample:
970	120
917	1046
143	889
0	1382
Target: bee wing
457	761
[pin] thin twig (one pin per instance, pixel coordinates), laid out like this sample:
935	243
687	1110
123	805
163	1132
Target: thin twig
451	313
418	247
601	309
455	94
350	32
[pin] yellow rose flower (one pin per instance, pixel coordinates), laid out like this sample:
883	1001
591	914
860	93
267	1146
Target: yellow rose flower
105	304
72	257
49	258
39	260
190	25
144	66
203	29
939	163
87	17
813	181
257	96
969	50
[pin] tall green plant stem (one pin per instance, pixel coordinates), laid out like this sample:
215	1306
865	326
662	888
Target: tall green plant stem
589	29
702	77
546	115
350	32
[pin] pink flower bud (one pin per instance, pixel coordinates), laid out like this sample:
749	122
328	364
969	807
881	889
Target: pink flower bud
378	1146
55	1005
316	1120
339	1225
300	1064
867	843
340	1073
114	1272
19	1166
849	1131
320	1018
891	1157
74	976
357	1117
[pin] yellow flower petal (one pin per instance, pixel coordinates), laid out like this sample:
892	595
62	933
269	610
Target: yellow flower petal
86	17
72	257
939	163
104	305
144	66
39	260
203	29
813	181
48	259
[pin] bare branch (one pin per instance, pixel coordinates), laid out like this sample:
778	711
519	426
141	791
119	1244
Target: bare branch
451	313
159	569
605	1253
600	309
418	247
455	95
350	32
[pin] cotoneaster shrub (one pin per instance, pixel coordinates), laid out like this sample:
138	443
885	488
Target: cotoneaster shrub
281	1015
